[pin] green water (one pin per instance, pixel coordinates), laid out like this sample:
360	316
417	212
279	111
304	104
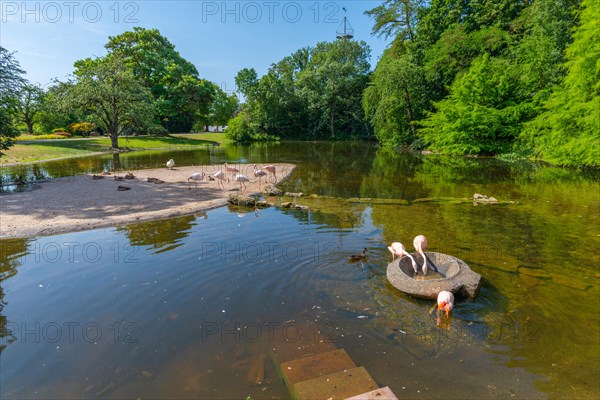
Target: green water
154	288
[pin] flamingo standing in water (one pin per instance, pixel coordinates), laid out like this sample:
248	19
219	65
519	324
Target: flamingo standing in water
445	301
259	173
220	177
195	177
170	163
420	243
273	170
397	249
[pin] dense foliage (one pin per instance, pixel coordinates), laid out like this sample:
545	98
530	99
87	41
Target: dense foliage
489	77
180	95
142	86
10	81
567	131
315	93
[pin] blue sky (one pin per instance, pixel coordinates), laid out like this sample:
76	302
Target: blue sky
219	37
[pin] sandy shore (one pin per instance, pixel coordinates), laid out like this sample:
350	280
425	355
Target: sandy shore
80	202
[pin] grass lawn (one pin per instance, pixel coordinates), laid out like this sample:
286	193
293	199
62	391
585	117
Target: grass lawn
46	150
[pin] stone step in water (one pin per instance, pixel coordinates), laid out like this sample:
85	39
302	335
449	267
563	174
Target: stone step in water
311	367
302	340
336	386
384	393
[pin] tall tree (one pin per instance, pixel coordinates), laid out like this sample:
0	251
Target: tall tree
332	85
173	81
481	115
396	18
568	131
395	99
107	89
29	104
10	81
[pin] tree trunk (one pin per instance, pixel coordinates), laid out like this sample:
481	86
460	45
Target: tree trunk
410	113
114	140
29	126
331	124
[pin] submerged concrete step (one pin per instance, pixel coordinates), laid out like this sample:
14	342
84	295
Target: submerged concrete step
384	393
316	365
303	340
336	386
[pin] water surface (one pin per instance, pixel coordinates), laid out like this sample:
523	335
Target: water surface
182	308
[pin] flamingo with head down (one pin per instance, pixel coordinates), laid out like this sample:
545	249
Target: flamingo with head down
420	243
397	249
445	301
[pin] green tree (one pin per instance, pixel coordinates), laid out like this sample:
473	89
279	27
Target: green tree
30	102
395	99
222	109
481	114
106	89
396	18
332	85
246	82
54	113
10	81
180	94
568	130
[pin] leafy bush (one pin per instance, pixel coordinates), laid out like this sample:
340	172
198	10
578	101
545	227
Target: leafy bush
63	134
241	130
55	130
81	128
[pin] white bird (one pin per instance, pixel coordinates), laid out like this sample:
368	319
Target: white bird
259	173
242	179
397	249
195	177
273	170
220	177
420	243
170	163
445	301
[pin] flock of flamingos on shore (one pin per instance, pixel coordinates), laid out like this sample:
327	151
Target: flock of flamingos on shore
445	299
222	176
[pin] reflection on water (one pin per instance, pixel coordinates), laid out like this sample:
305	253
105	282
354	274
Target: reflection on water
172	309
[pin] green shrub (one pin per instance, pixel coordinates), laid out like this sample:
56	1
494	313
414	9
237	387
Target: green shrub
55	130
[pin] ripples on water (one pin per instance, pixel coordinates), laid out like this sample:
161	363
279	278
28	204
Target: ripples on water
182	308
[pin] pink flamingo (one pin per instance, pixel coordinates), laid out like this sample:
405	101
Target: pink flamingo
231	170
220	176
259	173
397	249
242	179
420	243
195	177
273	170
445	301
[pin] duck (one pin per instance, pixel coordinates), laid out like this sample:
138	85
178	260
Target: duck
356	257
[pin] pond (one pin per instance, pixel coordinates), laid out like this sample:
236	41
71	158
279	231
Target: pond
182	308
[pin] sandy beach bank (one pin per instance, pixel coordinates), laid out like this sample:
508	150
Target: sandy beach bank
80	202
